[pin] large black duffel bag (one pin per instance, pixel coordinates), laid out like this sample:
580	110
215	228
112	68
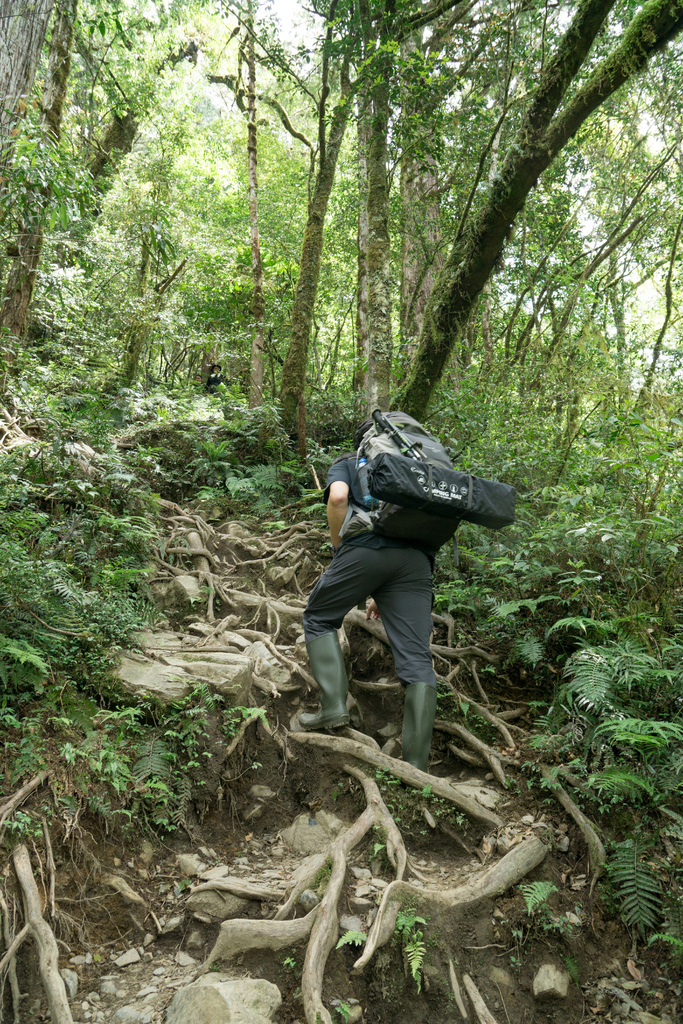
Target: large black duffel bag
440	491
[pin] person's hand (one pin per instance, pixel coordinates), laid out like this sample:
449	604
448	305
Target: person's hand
372	611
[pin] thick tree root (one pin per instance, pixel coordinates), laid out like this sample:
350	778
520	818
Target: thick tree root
492	881
402	770
492	757
492	719
16	800
457	992
48	954
10	960
245	890
596	851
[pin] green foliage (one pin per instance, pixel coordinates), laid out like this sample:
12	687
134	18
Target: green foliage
637	886
529	650
413	944
352	938
536	895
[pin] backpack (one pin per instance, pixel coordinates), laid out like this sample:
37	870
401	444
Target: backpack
411	490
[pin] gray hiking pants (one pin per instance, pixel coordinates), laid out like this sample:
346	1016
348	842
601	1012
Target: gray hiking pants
400	580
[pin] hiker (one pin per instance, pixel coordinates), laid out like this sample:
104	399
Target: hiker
214	379
398	575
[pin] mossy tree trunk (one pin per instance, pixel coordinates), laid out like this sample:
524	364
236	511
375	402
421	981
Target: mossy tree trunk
23	271
258	306
23	24
360	367
542	134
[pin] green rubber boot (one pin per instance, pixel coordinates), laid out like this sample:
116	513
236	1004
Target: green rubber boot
419	709
329	670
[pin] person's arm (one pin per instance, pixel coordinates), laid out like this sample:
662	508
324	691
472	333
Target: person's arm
337	507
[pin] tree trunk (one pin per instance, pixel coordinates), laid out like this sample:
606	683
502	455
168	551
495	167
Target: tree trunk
23	24
258	307
294	368
421	255
120	134
138	332
542	134
360	370
379	244
22	275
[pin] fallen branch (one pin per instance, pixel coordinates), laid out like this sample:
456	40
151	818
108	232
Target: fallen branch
596	851
457	994
11	960
14	946
402	770
48	953
490	882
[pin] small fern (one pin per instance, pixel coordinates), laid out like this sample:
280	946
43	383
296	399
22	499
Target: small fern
529	650
153	760
352	938
621	782
637	886
671	940
182	802
414	952
536	894
572	966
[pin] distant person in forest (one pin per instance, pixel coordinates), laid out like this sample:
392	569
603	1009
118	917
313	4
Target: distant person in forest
214	379
398	575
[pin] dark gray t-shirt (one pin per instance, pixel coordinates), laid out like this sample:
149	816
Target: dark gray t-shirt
345	470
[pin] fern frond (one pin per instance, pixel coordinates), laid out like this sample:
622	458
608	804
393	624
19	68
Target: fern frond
153	760
529	649
645	734
415	951
591	679
621	782
637	886
352	938
179	813
536	894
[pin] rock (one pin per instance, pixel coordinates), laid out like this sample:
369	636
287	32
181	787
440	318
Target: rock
551	983
77	960
70	979
648	1018
266	664
147	852
261	793
223	1000
229	674
361	873
94	997
184	959
208	853
347	923
144	677
183	594
173	924
354	1015
195	940
563	844
502	979
280	575
308	900
128	1015
130	957
218	906
527	819
190	864
392	747
158	971
220	871
313	835
360	904
148	939
389	731
108	988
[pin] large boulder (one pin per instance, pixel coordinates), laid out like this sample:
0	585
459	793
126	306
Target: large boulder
144	677
172	676
313	835
218	999
551	983
217	904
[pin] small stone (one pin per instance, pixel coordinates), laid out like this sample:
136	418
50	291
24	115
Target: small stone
355	1014
308	900
121	993
527	819
360	904
503	979
364	890
85	1006
184	959
573	919
563	844
361	873
551	983
195	940
148	990
117	862
70	979
88	958
146	853
389	731
147	957
94	997
131	957
208	853
261	793
190	864
128	1015
379	883
108	988
173	924
159	971
77	960
148	939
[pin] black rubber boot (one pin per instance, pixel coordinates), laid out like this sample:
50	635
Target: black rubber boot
419	710
329	670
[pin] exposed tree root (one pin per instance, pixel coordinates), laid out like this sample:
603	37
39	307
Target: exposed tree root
10	959
17	799
402	770
492	719
491	756
48	953
467	756
315	863
484	1016
596	851
245	890
492	881
457	993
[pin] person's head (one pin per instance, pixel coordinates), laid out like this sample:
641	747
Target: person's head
216	368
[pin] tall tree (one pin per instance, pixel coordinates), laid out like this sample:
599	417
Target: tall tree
258	307
542	134
23	25
29	246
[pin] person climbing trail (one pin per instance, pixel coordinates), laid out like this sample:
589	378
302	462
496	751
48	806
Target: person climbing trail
397	574
214	379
